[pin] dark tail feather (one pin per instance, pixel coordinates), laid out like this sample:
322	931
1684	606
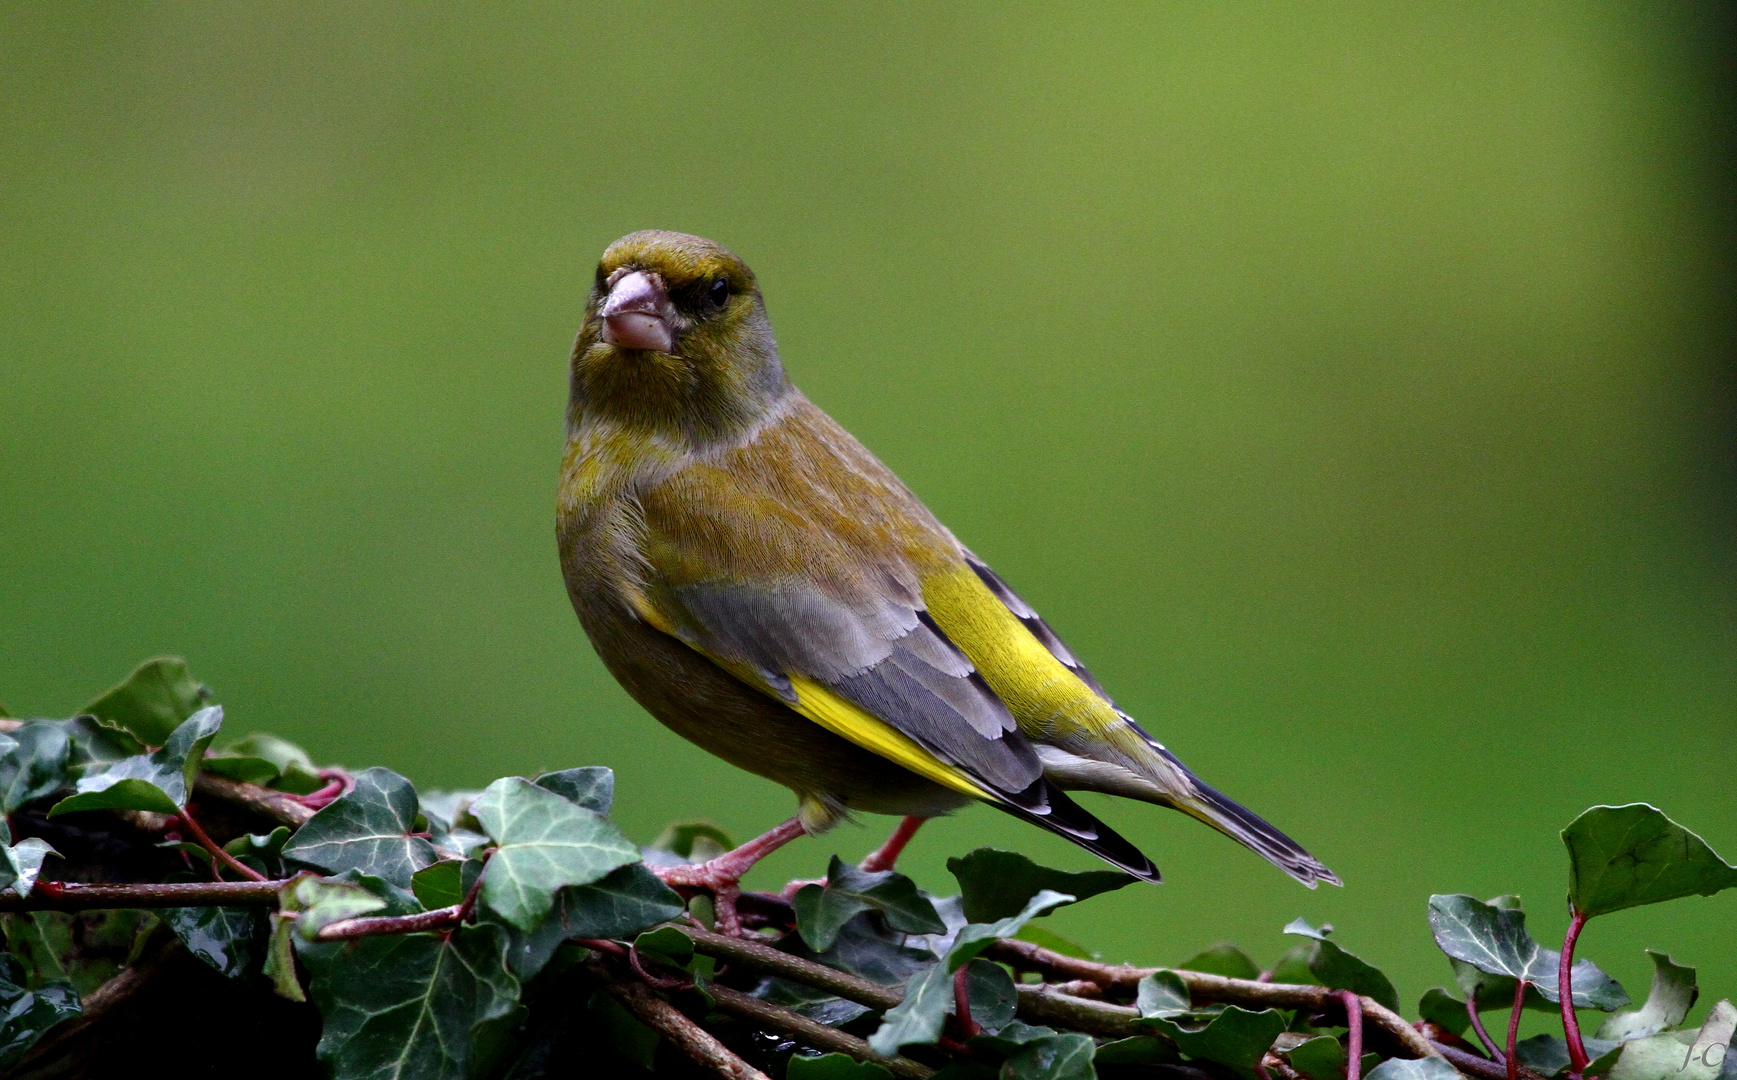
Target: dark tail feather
1069	819
1252	831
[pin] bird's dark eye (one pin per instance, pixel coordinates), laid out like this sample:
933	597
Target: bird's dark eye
719	293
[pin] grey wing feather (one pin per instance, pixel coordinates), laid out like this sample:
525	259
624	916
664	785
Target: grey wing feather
888	658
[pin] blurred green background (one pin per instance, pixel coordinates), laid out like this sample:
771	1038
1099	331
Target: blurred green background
1350	385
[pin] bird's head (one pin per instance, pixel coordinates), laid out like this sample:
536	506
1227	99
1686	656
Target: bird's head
675	340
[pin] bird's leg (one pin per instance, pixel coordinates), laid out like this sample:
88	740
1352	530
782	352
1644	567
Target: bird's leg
722	876
883	857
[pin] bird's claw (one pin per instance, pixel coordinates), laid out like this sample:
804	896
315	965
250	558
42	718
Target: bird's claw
723	883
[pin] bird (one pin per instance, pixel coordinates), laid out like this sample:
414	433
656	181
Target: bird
765	587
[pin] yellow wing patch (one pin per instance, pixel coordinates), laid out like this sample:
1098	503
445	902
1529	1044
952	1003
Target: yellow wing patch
870	732
1043	695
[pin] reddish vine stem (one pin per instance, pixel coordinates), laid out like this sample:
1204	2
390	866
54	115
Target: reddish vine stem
469	904
1354	1036
962	1003
217	851
1514	1028
1483	1034
1577	1059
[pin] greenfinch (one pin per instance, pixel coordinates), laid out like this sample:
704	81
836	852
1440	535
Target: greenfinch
767	589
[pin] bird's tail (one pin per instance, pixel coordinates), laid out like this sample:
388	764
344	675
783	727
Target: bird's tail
1253	832
1064	817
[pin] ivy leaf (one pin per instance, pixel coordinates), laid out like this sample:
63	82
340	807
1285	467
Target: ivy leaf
1139	1050
159	781
34	767
1699	1054
20	863
367	830
1054	942
693	841
1163	993
1625	856
866	948
438	886
1333	967
1444	1010
1223	959
1320	1058
149	703
1429	1068
25	1015
592	787
319	902
822	911
266	760
1063	1056
1672	995
261	851
929	994
1234	1036
997	884
992	994
411	1005
1494	941
544	843
833	1067
231	939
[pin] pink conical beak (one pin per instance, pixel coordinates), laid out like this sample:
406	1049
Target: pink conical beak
637	313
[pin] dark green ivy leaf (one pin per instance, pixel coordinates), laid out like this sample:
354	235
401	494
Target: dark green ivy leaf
627	901
1063	1056
367	830
1332	966
1444	1010
34	767
159	781
833	1067
411	1005
997	884
1625	856
25	1015
1672	996
231	939
929	994
152	701
1234	1037
438	886
821	911
544	843
1223	959
592	787
1320	1058
269	760
1494	941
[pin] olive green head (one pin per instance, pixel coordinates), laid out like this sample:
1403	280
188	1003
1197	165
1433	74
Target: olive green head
675	340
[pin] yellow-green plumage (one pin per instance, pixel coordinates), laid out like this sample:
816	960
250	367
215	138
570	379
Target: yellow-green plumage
769	590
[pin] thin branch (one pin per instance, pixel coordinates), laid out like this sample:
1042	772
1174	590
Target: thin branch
1206	987
74	896
757	956
1043	1005
665	1019
811	1032
272	805
370	926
